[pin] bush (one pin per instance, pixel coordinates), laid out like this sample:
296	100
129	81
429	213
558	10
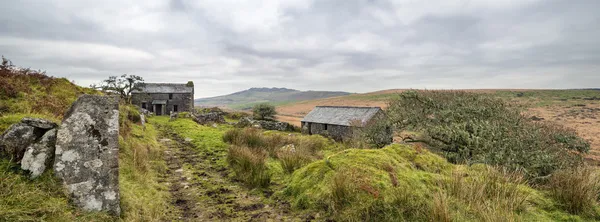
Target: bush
264	111
576	189
249	166
376	133
476	128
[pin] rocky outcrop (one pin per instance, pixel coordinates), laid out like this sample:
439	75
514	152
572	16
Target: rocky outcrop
86	156
15	140
39	156
204	119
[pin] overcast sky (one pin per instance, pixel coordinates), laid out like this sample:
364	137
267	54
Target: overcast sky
350	45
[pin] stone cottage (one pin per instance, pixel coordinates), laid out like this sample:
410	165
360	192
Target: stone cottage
338	122
164	98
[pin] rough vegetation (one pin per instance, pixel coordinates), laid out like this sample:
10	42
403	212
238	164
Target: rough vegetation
143	198
399	182
24	93
475	128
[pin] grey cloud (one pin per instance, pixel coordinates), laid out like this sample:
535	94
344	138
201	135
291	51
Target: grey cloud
357	46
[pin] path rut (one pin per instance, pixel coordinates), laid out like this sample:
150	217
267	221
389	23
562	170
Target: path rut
202	191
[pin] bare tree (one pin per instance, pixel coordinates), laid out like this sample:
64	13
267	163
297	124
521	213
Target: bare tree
122	85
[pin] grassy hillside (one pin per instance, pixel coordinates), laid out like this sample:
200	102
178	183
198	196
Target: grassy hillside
24	93
322	180
279	96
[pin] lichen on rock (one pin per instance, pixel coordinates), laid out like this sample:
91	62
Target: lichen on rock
38	156
87	153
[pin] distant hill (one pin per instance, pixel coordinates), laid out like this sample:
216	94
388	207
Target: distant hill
278	96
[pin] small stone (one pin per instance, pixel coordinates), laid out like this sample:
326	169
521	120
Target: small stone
38	156
15	140
39	123
179	170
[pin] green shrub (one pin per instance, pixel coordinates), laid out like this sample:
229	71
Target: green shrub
249	166
264	111
476	128
576	189
376	133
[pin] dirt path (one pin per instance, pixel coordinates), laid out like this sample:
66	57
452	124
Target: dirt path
202	191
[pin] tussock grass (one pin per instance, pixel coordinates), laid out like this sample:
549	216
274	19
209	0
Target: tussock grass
249	166
249	137
140	163
293	151
493	194
292	160
577	190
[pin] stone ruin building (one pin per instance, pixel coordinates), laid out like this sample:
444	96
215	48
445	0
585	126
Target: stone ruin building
338	122
164	98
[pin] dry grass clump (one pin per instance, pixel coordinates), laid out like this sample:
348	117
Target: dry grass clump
292	159
249	137
249	166
492	193
577	190
292	151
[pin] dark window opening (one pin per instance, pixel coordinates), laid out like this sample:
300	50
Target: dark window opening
325	127
144	106
170	95
175	108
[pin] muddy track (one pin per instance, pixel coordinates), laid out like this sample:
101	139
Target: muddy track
202	191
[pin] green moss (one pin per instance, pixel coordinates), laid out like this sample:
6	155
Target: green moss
400	183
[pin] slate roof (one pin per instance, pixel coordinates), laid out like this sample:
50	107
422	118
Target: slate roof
166	88
340	115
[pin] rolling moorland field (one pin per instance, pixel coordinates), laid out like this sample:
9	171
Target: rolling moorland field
244	100
179	170
577	109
